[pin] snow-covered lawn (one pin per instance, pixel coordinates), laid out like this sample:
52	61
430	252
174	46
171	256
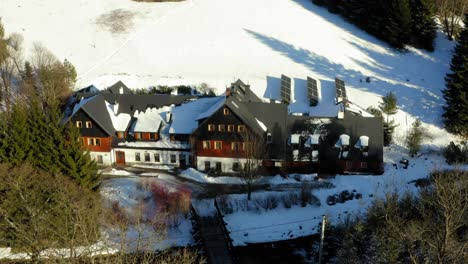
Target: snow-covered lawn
282	223
277	180
218	41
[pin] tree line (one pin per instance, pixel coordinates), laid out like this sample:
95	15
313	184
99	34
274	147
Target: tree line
398	22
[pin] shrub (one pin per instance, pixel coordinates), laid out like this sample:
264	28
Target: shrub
170	205
290	198
267	203
456	154
306	195
224	205
415	137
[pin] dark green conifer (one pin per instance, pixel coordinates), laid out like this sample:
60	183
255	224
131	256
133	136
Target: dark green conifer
423	25
19	136
456	92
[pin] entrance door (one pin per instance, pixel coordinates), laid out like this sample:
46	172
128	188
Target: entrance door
120	159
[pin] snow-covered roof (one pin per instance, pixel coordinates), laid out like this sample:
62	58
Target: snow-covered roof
220	100
185	117
362	142
119	121
147	121
342	141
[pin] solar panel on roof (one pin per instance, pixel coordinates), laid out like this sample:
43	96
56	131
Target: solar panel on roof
285	89
312	91
340	88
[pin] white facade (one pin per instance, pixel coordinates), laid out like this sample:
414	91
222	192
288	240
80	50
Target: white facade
227	164
149	156
103	158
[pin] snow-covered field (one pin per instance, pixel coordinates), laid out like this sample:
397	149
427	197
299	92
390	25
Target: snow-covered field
218	41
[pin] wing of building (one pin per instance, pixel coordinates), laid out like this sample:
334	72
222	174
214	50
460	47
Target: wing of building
220	134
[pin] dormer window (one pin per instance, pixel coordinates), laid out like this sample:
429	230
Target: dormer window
363	145
343	145
89	124
269	138
120	134
79	124
138	135
226	111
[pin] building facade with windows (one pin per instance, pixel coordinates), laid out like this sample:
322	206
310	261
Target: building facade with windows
222	134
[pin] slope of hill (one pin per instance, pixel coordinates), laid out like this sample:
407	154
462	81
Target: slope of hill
218	41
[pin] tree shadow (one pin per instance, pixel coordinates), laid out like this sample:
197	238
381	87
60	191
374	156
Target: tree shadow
416	100
272	90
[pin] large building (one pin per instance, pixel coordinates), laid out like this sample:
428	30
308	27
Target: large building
222	134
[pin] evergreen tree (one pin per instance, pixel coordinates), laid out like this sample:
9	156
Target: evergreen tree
415	137
389	107
19	136
75	162
423	25
456	92
71	71
397	27
3	138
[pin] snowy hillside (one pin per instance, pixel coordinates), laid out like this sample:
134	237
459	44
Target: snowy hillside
218	41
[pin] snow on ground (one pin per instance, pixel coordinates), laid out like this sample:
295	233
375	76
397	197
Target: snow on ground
277	180
130	193
280	224
200	41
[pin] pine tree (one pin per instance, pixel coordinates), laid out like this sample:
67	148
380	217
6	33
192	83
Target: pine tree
71	71
397	27
423	25
75	162
19	136
414	138
389	107
456	92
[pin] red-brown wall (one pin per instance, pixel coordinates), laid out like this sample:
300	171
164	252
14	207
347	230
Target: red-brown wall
106	144
225	151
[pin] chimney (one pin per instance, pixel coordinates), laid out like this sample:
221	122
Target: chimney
228	91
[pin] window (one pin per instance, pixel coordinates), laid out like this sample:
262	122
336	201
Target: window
206	144
173	158
79	124
230	128
226	111
99	159
218	166
240	128
120	134
211	127
97	142
83	141
182	158
363	165
147	157
137	156
221	128
89	124
235	166
246	146
90	142
235	146
218	145
153	136
207	165
269	138
138	135
157	158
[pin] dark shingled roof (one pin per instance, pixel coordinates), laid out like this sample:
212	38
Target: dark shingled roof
115	88
243	93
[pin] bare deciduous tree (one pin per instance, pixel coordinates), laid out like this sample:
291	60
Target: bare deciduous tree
253	151
450	13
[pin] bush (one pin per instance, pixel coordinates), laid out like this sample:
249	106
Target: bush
267	203
171	204
456	154
290	198
307	197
